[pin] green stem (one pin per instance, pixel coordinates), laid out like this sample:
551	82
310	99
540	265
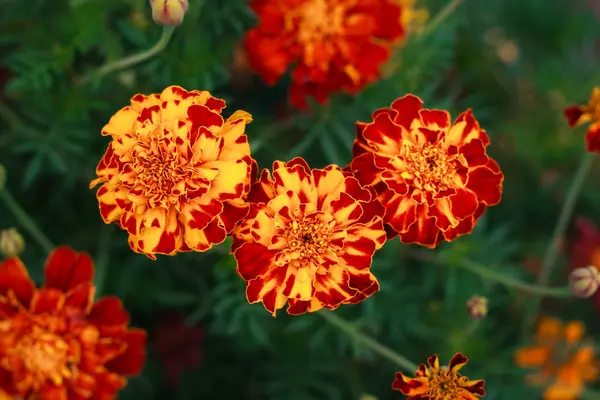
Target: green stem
561	226
25	220
439	18
368	341
102	260
126	62
490	274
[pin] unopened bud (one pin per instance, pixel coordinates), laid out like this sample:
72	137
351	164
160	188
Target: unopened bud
168	12
584	281
477	307
367	396
11	242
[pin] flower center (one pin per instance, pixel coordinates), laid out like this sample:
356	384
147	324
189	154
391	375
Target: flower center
308	238
432	167
158	170
44	357
443	385
318	20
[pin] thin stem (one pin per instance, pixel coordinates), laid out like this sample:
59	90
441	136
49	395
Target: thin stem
439	18
368	341
25	220
561	226
126	62
102	260
490	274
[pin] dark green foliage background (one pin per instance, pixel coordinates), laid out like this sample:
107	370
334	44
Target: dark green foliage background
50	143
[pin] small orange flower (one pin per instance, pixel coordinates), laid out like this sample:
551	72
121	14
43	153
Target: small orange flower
440	383
578	115
56	342
433	177
309	239
334	45
564	362
175	174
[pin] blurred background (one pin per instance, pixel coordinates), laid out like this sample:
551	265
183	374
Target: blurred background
516	63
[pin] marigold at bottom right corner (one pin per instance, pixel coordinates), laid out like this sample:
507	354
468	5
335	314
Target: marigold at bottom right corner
562	360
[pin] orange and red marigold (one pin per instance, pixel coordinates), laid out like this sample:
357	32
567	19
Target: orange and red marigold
56	342
435	382
175	173
433	176
563	360
334	45
579	115
309	239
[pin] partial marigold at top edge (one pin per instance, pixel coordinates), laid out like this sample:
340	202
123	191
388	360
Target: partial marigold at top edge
334	45
435	382
309	239
579	115
563	359
433	176
58	342
176	173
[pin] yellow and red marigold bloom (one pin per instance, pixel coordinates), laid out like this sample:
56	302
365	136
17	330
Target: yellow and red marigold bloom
564	361
433	177
309	239
57	342
334	45
579	115
176	173
435	382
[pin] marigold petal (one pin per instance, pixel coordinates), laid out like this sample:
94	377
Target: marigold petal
457	362
384	135
109	315
435	120
592	138
574	331
121	123
53	392
424	231
410	386
47	300
294	177
229	182
407	110
465	129
132	360
333	288
14	277
576	115
549	328
486	183
65	269
532	356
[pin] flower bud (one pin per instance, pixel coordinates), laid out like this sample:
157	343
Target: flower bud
168	12
584	281
477	307
11	242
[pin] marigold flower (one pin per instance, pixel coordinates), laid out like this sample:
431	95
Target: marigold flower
433	177
175	174
178	346
169	12
309	239
440	383
333	45
564	362
57	342
579	115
